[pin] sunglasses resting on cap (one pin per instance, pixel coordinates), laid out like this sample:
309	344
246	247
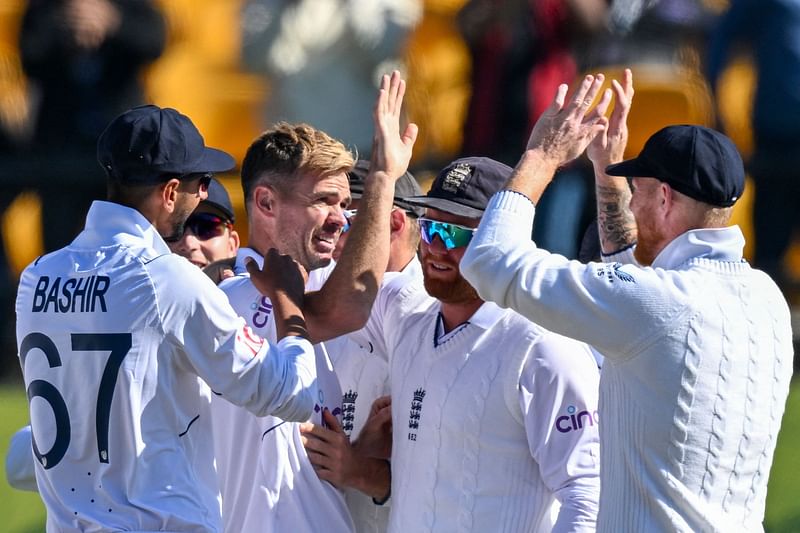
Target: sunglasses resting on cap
452	235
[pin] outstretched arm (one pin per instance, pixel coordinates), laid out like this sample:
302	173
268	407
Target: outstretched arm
615	221
344	302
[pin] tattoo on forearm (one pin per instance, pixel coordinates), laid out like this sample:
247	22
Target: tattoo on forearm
615	221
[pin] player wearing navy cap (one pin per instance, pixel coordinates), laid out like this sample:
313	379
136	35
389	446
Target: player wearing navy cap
115	333
697	344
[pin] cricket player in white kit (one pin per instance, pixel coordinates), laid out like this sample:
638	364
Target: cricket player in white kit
296	189
697	343
363	375
494	419
115	331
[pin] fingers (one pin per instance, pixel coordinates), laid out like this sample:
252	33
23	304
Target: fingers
558	101
251	266
380	403
602	106
410	135
332	421
581	100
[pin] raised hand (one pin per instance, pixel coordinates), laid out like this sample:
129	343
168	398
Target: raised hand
609	146
391	150
565	129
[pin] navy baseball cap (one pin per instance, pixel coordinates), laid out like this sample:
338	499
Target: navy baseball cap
149	144
464	187
406	185
699	162
218	199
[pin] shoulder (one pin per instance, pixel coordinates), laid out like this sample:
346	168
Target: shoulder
548	350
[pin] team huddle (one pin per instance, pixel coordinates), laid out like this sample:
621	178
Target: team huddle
382	359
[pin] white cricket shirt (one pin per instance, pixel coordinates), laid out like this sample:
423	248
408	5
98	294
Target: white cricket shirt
268	483
114	331
494	423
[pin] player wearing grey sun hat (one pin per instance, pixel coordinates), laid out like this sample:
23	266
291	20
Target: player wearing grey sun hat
117	327
459	362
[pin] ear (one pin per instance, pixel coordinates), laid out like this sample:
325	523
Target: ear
397	222
265	200
234	242
168	194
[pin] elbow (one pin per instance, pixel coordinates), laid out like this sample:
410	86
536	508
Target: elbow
299	405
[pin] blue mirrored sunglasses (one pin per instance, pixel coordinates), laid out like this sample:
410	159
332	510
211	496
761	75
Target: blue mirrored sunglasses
452	235
349	215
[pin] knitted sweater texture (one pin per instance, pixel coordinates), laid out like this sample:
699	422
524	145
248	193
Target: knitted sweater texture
698	352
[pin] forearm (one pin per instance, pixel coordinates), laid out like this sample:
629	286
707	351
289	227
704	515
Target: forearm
289	319
344	302
532	175
615	221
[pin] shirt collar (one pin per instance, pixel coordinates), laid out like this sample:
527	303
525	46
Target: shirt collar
716	244
109	221
241	259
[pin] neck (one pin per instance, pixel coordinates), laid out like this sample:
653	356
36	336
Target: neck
258	239
398	261
456	314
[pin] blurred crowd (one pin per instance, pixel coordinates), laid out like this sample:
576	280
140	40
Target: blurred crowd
481	72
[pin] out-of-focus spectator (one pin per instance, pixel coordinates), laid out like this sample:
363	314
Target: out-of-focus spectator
771	28
324	58
83	58
522	50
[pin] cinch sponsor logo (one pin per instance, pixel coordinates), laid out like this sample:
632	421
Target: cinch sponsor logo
575	420
263	310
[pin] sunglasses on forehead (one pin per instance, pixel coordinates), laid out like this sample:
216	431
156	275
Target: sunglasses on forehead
206	226
452	235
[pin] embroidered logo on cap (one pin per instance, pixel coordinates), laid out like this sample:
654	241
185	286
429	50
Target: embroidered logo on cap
455	178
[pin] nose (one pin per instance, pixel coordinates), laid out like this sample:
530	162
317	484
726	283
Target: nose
337	217
437	246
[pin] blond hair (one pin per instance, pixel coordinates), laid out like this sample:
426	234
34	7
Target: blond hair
286	152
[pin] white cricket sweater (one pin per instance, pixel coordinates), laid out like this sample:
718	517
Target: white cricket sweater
698	359
493	424
364	376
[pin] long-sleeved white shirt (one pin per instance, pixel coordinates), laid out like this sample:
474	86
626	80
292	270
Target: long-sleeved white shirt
698	359
114	331
268	482
494	423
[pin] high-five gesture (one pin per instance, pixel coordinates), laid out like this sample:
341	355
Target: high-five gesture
609	145
391	150
565	129
560	135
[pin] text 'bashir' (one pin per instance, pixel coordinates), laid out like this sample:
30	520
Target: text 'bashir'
73	295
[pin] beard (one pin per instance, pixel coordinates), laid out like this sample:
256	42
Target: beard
177	224
457	291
